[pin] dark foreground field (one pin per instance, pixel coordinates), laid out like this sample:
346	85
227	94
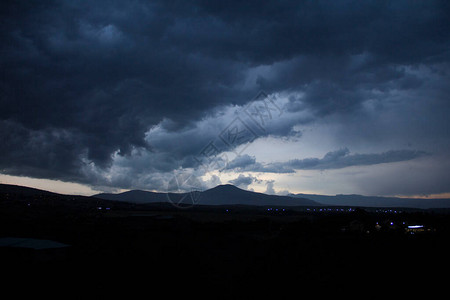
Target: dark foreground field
239	253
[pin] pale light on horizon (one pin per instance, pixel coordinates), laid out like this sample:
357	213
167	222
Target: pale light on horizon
56	186
72	188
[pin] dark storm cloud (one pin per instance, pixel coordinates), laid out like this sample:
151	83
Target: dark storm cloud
83	82
103	72
49	153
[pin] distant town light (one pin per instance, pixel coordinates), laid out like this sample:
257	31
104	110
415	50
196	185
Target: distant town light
415	226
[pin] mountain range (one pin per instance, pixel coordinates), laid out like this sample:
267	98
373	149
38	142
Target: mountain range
232	195
220	195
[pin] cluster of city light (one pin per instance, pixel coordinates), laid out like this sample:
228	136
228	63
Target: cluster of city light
387	211
330	209
100	208
276	209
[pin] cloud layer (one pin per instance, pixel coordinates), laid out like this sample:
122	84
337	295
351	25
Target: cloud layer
125	94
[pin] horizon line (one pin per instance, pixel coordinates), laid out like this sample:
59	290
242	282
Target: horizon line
85	190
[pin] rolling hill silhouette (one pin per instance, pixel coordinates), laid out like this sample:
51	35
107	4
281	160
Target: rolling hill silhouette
23	190
377	201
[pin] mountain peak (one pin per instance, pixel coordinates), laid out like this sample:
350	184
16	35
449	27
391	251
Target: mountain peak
226	187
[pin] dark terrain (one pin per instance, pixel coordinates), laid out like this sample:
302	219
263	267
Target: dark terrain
232	251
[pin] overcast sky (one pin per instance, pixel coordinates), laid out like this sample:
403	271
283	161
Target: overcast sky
278	96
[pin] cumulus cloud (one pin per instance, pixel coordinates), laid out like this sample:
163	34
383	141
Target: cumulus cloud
269	187
243	181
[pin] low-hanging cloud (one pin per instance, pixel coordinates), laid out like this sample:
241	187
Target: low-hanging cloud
332	160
